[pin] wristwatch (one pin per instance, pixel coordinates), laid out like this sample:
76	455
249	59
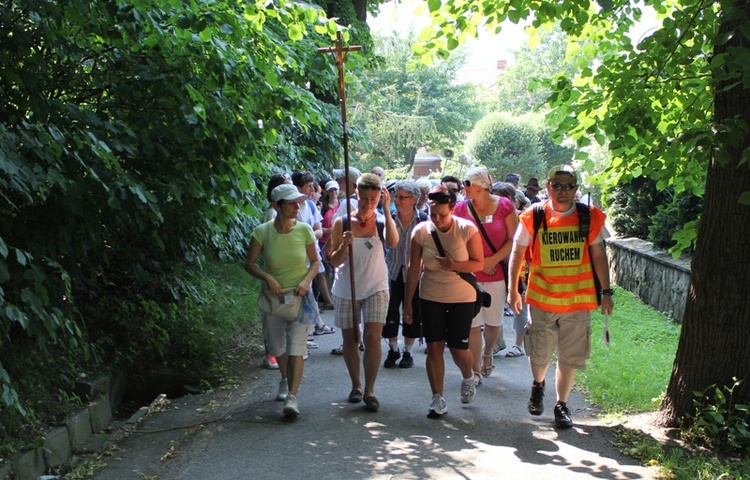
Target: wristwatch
608	291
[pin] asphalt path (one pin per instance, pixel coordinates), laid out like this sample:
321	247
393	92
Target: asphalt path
242	433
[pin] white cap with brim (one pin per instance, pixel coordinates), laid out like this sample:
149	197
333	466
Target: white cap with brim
286	192
331	185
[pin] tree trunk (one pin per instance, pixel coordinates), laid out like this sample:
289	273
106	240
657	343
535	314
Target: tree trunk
714	342
360	8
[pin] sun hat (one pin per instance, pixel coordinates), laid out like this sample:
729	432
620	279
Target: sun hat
478	176
286	192
331	184
533	184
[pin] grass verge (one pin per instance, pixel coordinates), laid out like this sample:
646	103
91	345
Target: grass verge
631	377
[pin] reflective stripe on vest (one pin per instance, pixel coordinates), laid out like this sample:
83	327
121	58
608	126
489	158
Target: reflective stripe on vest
560	273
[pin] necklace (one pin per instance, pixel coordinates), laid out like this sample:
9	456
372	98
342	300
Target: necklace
363	221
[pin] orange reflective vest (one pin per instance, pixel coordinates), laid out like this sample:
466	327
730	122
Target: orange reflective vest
560	274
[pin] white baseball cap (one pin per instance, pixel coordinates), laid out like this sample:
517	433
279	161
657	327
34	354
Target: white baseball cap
286	192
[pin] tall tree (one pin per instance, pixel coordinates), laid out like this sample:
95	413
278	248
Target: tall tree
676	108
402	105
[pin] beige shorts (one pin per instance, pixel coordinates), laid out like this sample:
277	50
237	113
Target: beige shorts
492	315
285	336
371	309
569	333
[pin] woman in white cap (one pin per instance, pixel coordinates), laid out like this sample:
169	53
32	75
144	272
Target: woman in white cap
496	219
290	261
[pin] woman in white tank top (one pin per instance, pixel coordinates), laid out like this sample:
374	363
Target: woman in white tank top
360	233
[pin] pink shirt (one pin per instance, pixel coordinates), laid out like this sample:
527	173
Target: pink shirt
495	228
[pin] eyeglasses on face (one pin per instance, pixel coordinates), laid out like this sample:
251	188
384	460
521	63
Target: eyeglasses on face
563	186
404	197
467	183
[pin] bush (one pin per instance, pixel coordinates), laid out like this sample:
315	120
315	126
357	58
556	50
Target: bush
504	144
632	207
671	217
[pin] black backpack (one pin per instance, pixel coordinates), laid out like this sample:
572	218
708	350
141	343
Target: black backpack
584	222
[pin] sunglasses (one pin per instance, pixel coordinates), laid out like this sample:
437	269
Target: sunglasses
439	197
467	183
563	186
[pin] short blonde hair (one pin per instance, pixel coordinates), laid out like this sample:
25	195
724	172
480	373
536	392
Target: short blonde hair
369	181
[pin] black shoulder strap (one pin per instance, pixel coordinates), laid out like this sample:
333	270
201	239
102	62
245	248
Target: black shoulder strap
380	224
437	242
481	227
584	221
539	219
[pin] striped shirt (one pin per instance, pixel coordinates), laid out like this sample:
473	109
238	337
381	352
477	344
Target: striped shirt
398	258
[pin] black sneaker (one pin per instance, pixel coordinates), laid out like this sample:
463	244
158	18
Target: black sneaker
390	361
562	416
536	401
406	361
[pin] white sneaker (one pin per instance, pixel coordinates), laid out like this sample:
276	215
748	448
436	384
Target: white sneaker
468	390
437	407
290	406
283	392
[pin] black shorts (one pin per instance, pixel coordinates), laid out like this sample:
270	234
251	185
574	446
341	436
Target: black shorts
393	318
447	322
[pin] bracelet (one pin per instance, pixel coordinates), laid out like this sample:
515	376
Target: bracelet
608	291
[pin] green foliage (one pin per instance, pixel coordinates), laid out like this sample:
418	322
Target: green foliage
633	205
720	422
679	463
671	217
519	89
214	313
504	144
132	140
649	98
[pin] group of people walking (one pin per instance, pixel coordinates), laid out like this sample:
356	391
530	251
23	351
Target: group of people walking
396	263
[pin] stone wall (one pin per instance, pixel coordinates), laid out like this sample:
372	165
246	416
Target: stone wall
655	277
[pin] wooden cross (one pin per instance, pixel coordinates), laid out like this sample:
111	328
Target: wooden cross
340	50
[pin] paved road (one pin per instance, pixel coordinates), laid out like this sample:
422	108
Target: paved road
241	434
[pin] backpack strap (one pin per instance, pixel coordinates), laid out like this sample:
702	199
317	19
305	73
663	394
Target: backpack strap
539	219
379	224
584	221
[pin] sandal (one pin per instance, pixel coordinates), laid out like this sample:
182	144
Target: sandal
338	350
477	379
324	330
326	306
515	351
355	396
487	369
372	404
